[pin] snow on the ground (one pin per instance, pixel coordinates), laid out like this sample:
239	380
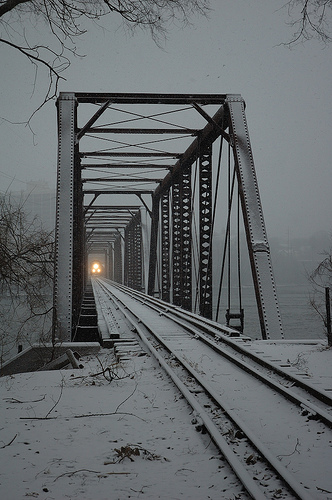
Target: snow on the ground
311	357
72	434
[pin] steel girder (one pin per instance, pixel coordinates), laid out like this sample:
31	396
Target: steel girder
153	244
181	239
110	263
117	259
165	247
148	98
133	254
128	256
70	253
176	242
258	246
205	232
65	210
186	257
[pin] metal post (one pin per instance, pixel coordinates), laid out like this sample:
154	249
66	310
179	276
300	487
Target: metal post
328	316
79	256
133	253
110	274
137	257
205	230
182	259
186	267
64	250
153	244
117	260
127	268
177	241
258	247
165	248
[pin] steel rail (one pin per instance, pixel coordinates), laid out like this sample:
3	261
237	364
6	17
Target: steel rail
226	337
323	416
295	487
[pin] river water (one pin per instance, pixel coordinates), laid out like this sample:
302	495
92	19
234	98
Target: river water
299	319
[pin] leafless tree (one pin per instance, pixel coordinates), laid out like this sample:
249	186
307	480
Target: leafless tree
67	20
310	19
26	275
320	279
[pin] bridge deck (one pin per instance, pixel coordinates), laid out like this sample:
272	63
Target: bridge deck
227	380
127	420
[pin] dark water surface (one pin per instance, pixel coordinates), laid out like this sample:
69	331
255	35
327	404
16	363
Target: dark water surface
299	319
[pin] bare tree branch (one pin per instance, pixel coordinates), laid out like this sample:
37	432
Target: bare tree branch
26	274
66	21
320	278
9	5
310	19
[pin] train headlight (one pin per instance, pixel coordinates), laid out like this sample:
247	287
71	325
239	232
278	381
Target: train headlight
95	268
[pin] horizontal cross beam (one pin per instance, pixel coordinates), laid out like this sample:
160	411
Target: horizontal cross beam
113	208
148	98
135	154
150	131
121	179
120	191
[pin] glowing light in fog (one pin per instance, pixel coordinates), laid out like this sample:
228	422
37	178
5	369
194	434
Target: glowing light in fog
96	268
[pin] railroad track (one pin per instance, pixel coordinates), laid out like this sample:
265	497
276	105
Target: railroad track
272	426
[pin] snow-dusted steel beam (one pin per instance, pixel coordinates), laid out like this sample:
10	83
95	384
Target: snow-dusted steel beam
258	246
63	279
148	98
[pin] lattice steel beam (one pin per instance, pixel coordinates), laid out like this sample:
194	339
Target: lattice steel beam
205	230
117	259
153	244
208	135
165	248
186	257
133	254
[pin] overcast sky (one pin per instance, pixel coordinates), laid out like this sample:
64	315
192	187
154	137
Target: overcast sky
236	50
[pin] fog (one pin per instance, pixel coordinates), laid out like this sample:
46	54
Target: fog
239	49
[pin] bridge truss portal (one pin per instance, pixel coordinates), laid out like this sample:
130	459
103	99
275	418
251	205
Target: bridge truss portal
139	187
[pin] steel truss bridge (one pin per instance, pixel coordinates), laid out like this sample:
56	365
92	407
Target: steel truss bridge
153	186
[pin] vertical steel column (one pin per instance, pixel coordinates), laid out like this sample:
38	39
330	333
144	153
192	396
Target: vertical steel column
258	247
79	260
186	239
165	248
133	254
177	241
182	268
205	232
117	260
110	272
128	243
64	248
137	253
153	244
